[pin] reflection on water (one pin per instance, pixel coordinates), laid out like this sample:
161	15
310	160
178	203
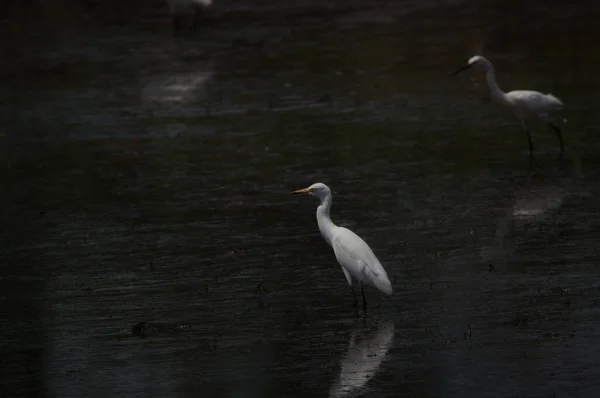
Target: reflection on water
536	201
145	175
184	87
366	351
531	205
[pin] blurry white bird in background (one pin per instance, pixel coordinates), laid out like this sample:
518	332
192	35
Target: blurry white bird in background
526	105
187	12
353	253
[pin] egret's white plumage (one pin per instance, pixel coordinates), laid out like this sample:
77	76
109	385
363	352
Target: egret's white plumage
354	255
525	104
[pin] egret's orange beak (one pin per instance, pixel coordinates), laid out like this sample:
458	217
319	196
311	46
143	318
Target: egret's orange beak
299	191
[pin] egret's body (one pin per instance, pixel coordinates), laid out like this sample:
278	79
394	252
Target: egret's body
525	104
354	255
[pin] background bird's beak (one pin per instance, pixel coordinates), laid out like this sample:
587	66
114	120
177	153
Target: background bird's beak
299	191
456	72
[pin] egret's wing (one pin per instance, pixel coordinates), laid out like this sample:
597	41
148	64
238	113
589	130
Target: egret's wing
535	101
346	259
357	259
348	277
350	251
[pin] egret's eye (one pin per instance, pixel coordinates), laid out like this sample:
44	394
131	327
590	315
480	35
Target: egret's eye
313	190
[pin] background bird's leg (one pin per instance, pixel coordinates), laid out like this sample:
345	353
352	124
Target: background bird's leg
362	290
177	23
260	291
355	301
528	137
559	135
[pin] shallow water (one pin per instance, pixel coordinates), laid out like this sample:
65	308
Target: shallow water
146	181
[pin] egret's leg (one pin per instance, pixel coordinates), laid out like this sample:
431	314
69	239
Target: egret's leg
528	137
355	304
196	20
559	135
362	290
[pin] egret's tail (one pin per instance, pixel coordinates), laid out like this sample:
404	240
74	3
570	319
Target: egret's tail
555	101
383	284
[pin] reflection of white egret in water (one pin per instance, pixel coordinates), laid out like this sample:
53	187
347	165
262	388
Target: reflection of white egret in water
531	205
537	201
177	88
366	352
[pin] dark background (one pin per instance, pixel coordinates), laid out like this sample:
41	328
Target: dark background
145	177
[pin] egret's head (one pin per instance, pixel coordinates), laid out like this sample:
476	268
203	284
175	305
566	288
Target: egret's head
476	60
319	190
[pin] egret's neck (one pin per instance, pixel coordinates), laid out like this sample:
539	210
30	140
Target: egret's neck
497	92
326	226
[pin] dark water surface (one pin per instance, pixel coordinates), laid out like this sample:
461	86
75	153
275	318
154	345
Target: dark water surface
145	178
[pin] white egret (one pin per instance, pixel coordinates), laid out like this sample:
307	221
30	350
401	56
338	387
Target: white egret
526	105
353	253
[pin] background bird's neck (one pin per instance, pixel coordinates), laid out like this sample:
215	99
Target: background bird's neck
497	92
326	226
